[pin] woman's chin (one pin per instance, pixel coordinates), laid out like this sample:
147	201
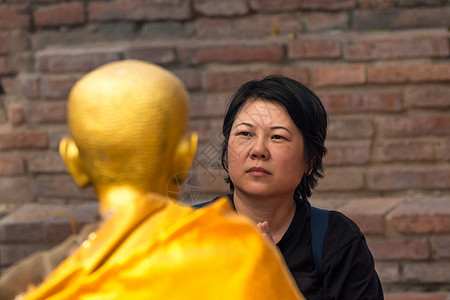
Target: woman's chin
257	191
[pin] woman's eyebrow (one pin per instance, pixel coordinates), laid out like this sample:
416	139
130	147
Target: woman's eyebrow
280	127
244	123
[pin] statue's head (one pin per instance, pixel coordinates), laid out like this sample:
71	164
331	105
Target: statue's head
128	123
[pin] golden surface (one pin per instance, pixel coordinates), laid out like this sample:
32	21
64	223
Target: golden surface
127	119
173	253
128	122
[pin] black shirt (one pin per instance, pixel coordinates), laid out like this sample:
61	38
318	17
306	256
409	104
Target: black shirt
347	264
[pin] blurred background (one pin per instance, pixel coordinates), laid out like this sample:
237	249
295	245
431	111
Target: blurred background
381	68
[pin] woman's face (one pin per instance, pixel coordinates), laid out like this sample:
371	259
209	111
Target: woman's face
265	150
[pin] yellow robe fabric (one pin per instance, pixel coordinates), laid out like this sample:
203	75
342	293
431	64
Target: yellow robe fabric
161	250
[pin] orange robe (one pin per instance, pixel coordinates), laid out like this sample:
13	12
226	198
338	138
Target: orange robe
161	250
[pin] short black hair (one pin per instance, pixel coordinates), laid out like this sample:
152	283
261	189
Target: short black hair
306	111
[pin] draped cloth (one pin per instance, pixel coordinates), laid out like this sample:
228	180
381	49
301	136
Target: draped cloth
158	249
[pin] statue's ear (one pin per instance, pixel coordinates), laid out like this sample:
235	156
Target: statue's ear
184	156
71	157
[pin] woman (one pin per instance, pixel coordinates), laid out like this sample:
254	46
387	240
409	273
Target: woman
274	133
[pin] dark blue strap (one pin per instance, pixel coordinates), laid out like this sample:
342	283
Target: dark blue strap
200	205
319	225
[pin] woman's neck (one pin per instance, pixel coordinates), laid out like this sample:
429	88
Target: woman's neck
277	211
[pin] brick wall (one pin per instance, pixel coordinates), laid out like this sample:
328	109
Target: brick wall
382	69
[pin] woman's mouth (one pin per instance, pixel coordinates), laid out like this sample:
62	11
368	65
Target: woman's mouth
258	172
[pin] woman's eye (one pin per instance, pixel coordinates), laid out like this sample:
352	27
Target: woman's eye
244	133
277	137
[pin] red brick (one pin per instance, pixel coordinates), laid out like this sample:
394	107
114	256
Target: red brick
2	116
16	114
394	46
353	128
81	60
232	53
314	48
321	21
328	4
442	247
274	6
389	272
394	179
61	186
11	253
12	166
46	223
208	159
399	249
47	162
340	179
248	27
6	66
14	189
418	125
297	73
347	153
401	18
29	85
57	87
173	31
209	180
377	3
60	14
337	75
13	231
4	42
155	54
35	139
433	272
231	80
429	96
420	2
190	78
202	127
12	42
422	216
208	105
33	1
407	150
445	149
214	8
9	85
14	17
369	214
59	226
47	113
390	74
140	11
216	127
362	102
55	136
417	296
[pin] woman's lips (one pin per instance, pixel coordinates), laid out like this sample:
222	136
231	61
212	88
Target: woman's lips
255	171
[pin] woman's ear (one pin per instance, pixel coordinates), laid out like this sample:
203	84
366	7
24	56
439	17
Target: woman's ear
71	157
184	156
310	166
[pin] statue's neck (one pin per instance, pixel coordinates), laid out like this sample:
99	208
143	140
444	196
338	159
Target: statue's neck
113	198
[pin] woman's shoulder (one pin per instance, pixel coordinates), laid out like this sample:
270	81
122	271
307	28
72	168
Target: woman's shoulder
338	220
342	232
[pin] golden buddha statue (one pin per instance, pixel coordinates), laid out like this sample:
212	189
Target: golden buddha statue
128	124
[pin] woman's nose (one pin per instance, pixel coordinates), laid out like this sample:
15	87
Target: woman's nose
259	151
